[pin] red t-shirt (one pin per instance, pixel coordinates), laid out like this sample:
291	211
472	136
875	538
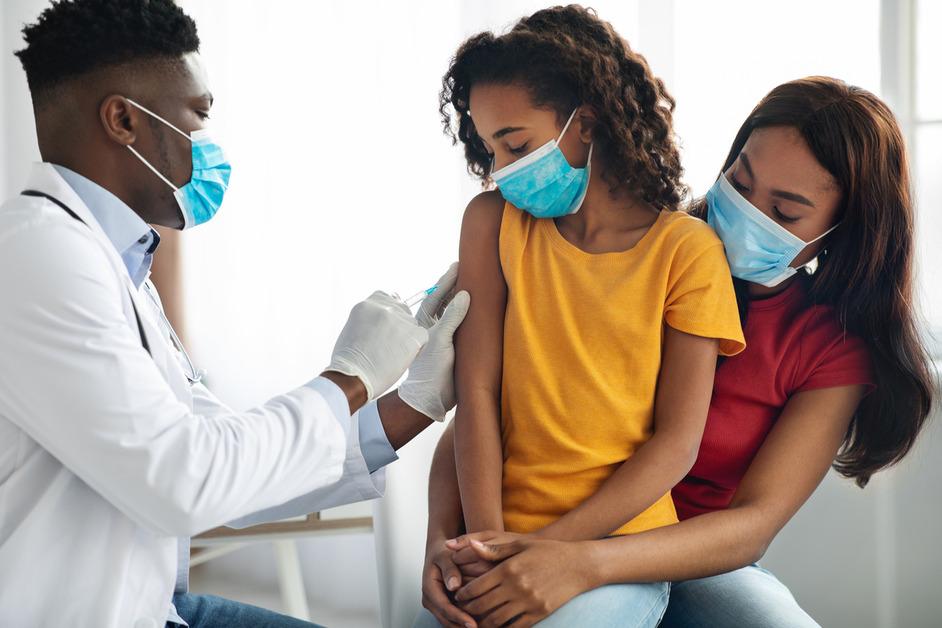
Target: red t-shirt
792	346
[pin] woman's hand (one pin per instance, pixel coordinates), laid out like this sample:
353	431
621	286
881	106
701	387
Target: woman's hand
532	578
439	576
467	560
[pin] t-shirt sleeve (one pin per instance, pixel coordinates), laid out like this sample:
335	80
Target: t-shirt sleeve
701	300
844	361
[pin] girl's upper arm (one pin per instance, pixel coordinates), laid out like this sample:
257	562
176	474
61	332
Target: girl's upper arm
684	388
796	455
479	340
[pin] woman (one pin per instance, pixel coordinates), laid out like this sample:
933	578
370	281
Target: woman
834	373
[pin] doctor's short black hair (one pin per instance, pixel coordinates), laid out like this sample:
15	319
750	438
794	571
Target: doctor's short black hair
72	38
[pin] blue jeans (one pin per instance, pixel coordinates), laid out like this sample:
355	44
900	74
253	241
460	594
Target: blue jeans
210	611
614	605
750	597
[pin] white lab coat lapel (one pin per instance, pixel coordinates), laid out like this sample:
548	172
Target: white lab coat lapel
44	178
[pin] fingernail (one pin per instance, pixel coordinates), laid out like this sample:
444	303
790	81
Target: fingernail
453	583
468	624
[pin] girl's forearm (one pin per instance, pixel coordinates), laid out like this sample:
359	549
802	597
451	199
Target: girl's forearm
702	546
444	503
637	484
479	460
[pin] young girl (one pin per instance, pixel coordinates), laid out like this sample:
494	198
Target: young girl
585	365
834	374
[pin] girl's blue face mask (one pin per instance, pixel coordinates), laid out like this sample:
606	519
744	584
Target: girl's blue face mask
543	183
199	200
758	249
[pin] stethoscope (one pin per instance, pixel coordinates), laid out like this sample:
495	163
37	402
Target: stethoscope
193	374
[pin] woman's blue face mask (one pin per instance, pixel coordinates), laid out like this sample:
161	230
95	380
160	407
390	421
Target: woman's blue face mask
543	183
758	249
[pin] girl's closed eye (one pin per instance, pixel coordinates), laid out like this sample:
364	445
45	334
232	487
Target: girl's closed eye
519	150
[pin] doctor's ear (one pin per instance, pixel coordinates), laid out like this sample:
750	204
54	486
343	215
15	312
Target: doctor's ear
587	120
120	119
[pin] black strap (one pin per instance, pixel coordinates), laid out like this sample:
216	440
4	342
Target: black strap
137	317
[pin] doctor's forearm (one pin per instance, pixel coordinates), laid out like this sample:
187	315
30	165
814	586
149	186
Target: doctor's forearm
400	421
352	388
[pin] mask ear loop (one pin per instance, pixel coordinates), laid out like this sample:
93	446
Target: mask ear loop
811	266
565	128
152	169
568	122
139	156
151	113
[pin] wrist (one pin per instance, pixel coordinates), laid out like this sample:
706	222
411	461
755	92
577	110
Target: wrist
400	421
435	540
596	565
352	387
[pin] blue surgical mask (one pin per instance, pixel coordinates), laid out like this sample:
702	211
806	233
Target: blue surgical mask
758	249
199	200
543	183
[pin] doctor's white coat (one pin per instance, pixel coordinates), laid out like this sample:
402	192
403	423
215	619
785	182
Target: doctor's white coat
108	454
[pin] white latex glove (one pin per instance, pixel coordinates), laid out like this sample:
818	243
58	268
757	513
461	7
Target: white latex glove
379	341
430	386
429	310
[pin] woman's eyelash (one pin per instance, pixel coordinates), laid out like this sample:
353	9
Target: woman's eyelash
739	186
783	216
519	149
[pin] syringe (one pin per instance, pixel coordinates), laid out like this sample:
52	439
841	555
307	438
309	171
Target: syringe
418	297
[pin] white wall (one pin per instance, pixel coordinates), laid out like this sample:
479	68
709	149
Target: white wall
17	129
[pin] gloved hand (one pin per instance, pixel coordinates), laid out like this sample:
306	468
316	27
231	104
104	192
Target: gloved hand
431	308
430	386
379	341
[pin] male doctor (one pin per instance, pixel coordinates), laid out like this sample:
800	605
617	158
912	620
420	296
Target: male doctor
112	454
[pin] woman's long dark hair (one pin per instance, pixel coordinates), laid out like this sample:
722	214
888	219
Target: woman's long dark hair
866	273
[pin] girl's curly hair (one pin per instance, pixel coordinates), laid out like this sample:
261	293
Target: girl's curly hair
565	57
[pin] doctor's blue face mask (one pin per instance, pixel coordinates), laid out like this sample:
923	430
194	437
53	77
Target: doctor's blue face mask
758	249
199	200
543	183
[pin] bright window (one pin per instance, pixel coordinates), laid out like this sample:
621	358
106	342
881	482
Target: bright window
927	141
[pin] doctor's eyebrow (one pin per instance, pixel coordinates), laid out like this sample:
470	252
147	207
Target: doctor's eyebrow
789	196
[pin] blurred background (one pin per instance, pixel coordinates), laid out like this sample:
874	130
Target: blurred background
344	183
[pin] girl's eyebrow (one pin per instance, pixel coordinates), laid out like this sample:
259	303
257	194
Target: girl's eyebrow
507	129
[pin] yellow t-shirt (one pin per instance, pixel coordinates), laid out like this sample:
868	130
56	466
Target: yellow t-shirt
583	335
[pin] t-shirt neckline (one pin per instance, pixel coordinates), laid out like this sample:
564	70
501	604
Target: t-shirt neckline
569	248
785	297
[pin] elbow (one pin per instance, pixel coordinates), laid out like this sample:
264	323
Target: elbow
168	517
752	549
756	534
757	551
677	450
683	455
688	456
174	513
